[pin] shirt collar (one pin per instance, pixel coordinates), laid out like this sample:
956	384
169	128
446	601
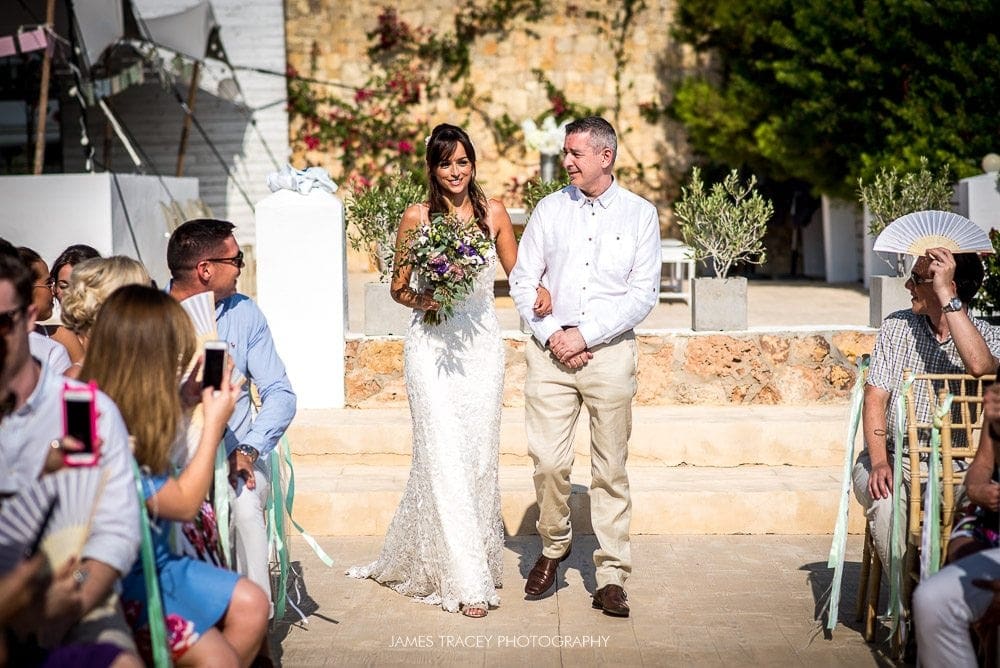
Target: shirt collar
604	199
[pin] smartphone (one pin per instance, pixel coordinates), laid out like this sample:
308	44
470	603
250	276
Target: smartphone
215	364
80	422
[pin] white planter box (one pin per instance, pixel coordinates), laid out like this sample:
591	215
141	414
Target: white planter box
718	304
886	295
383	315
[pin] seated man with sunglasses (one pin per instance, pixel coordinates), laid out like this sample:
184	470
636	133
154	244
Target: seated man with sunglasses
935	335
203	255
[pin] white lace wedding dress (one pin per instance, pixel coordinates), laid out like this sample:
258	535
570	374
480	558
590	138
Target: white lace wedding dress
444	545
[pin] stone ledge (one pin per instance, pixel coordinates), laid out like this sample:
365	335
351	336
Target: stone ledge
723	436
361	500
789	367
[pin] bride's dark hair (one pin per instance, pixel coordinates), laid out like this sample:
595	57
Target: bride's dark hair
440	147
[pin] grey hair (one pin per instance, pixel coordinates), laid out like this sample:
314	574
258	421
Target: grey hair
602	135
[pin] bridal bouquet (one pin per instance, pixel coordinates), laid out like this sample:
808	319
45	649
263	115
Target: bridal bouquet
449	255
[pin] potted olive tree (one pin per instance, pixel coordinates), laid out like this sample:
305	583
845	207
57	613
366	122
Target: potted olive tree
892	194
373	215
725	225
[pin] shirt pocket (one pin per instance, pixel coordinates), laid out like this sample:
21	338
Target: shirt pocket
616	254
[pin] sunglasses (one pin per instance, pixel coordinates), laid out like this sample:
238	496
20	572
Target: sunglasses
916	279
236	260
8	320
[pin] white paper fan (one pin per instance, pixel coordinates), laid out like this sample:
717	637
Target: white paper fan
75	493
916	232
201	309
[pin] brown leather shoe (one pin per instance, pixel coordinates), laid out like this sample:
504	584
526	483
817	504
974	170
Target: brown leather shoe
613	600
543	574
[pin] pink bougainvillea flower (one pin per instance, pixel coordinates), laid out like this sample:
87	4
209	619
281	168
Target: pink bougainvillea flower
312	142
405	147
362	94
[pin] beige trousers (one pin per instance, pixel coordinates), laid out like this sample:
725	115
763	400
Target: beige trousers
553	396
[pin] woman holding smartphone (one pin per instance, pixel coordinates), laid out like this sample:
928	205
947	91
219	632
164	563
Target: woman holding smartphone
139	346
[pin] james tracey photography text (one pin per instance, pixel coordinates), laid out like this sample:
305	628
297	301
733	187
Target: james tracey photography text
495	641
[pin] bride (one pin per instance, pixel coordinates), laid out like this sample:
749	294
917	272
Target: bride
444	545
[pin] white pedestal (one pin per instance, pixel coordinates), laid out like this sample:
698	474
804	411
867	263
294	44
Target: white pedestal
302	289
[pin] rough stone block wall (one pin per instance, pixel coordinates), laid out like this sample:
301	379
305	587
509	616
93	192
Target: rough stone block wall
567	46
744	368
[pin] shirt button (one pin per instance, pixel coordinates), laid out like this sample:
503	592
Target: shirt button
590	238
586	264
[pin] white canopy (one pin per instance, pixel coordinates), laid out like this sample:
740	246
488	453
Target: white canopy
183	26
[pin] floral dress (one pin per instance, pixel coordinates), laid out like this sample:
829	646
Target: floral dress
195	594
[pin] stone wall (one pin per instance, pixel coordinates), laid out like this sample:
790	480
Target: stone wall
797	368
573	46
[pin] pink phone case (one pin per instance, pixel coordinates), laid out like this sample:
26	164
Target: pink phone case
88	394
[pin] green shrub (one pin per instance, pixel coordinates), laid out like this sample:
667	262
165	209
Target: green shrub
726	224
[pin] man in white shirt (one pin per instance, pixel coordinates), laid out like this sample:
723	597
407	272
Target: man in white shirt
598	246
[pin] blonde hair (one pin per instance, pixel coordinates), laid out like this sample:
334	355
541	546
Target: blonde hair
141	342
90	284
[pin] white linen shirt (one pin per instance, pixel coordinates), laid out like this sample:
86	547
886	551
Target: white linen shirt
51	351
25	435
601	262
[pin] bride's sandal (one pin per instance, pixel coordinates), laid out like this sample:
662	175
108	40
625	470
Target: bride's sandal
474	610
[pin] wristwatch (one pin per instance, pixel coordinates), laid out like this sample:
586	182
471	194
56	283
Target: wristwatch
954	304
249	451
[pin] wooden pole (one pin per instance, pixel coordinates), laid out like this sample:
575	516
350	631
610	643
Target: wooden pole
43	93
188	113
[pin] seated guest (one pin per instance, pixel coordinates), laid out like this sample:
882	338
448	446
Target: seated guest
978	523
59	276
90	284
42	347
80	605
936	335
965	593
139	346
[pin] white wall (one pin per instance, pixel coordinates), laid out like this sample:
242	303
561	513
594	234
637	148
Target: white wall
979	200
840	249
253	34
50	212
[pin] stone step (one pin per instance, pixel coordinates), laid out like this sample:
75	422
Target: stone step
352	500
724	436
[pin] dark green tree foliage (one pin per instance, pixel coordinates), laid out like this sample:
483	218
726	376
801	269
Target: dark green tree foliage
829	91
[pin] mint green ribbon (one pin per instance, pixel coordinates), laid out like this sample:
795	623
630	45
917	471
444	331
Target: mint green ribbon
278	505
897	535
838	546
220	502
154	604
930	537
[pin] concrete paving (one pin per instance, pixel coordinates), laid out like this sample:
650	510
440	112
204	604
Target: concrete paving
696	601
770	305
